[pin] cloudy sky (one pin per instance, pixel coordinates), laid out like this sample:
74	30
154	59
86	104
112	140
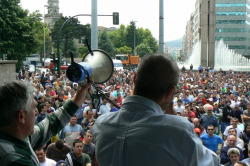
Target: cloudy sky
145	12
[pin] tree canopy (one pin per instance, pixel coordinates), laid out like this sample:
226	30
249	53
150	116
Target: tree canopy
71	30
18	36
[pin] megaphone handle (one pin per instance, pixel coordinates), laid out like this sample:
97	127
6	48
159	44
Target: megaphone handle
114	104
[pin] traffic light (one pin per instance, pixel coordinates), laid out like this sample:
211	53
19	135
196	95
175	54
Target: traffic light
115	18
56	64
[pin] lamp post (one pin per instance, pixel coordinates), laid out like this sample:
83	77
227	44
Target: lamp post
134	36
44	47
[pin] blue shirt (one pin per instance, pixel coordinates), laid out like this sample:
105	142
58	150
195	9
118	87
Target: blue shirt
114	109
212	142
141	134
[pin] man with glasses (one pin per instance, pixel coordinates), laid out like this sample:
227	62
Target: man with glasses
211	140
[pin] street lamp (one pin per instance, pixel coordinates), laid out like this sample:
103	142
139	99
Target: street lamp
44	51
134	36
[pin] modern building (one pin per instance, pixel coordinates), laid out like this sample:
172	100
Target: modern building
188	40
53	13
233	24
203	31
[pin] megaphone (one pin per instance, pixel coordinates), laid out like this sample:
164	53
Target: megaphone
97	65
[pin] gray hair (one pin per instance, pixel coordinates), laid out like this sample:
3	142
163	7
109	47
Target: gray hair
233	151
14	96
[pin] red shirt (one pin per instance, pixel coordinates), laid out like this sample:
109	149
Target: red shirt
191	115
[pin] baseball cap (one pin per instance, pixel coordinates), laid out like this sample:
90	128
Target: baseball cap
236	105
209	108
197	130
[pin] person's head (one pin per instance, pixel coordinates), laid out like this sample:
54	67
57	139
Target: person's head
104	100
89	114
216	106
234	122
209	110
59	144
231	140
185	113
18	106
240	163
232	131
49	103
156	78
210	130
88	137
78	146
196	122
43	107
40	153
197	131
247	129
73	120
234	155
228	103
248	106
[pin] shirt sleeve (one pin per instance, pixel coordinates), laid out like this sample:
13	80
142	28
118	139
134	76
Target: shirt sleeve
87	158
52	124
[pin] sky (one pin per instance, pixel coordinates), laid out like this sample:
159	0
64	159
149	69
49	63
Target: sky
145	12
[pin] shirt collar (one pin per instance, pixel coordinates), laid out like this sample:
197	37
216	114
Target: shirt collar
152	105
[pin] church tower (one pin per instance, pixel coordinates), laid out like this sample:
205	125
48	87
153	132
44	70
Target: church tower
53	13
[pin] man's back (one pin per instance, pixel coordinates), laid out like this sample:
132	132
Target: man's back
140	134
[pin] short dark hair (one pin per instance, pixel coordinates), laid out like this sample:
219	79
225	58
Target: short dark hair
42	105
242	163
77	141
59	144
157	74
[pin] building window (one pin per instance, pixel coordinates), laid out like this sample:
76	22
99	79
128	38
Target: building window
230	5
231	13
230	30
237	47
231	38
230	21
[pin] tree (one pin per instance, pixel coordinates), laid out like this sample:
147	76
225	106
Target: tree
17	37
124	50
123	39
71	30
105	43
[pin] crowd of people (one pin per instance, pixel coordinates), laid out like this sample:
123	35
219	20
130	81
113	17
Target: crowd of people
215	102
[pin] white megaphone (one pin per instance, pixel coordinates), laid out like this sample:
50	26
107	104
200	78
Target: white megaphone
97	65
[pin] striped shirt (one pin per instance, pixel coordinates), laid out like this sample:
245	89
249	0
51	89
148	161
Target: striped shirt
14	151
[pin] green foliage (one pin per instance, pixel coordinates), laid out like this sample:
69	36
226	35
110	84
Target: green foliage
71	29
83	51
18	36
123	40
104	43
124	50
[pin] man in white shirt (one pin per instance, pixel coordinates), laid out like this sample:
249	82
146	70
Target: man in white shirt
179	107
43	160
234	122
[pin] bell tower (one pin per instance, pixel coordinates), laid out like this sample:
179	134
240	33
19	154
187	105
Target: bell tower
53	13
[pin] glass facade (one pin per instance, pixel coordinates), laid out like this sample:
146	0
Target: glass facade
231	13
230	30
230	5
232	38
230	21
237	47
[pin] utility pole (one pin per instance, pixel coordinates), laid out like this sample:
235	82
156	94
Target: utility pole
161	27
94	36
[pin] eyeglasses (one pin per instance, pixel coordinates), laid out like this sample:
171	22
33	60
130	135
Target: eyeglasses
210	129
